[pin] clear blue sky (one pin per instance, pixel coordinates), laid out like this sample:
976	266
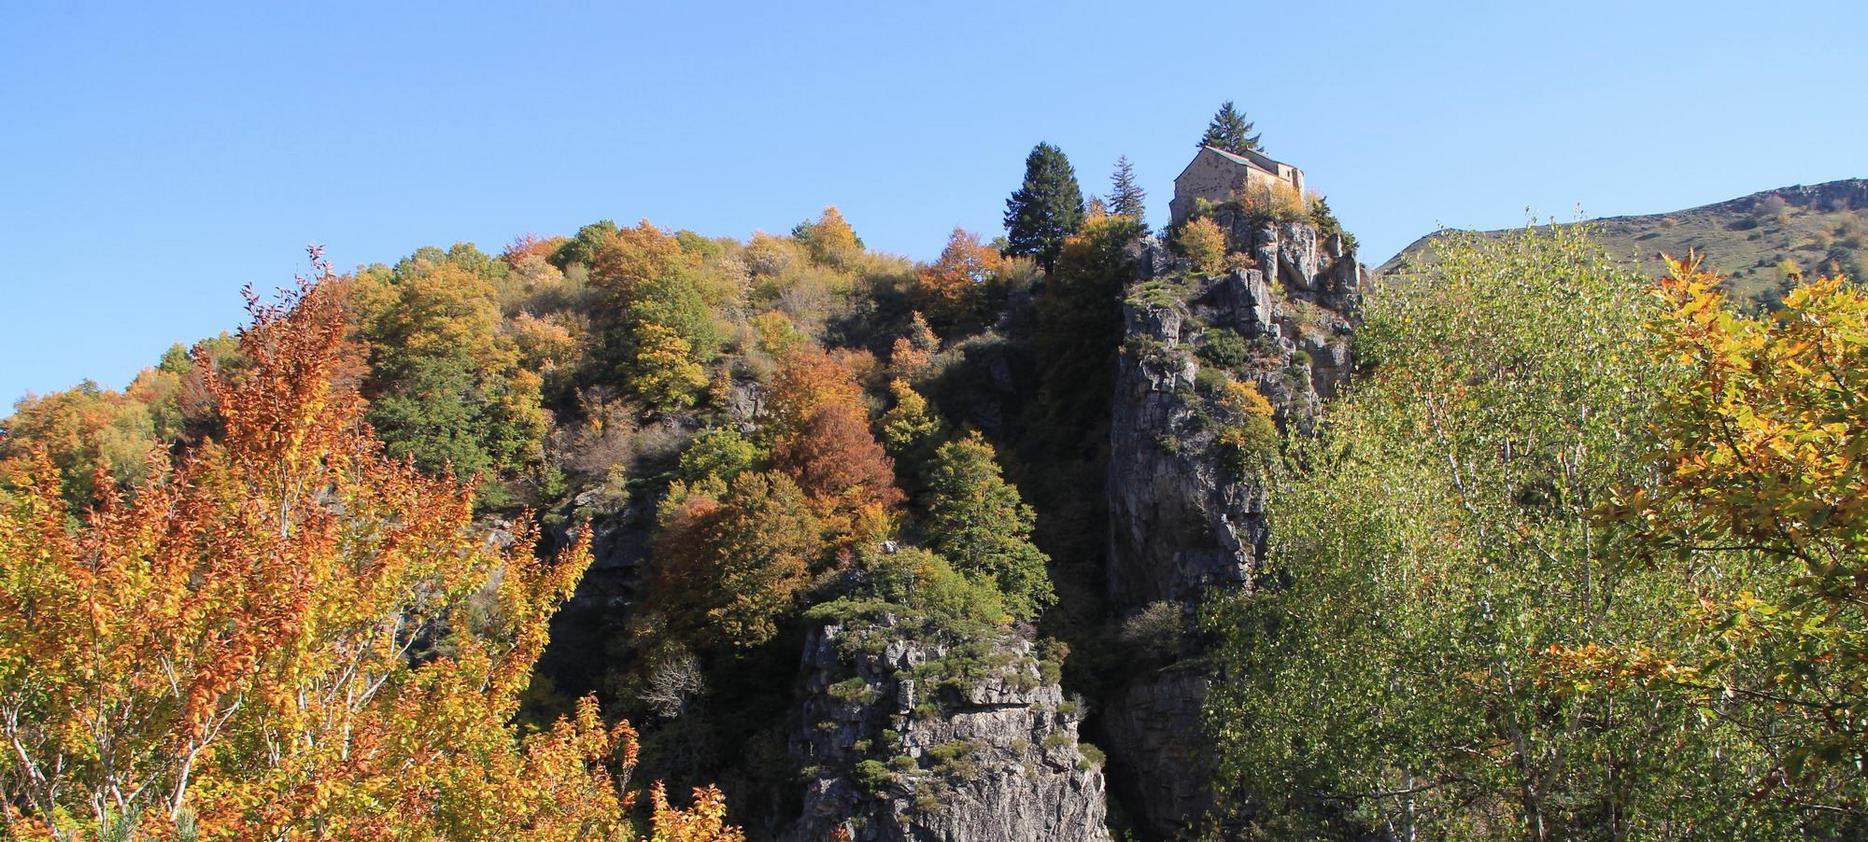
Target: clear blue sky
155	159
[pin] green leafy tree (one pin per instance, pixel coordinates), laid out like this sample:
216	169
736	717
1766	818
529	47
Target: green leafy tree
445	385
1080	324
918	592
1046	209
582	249
1389	673
661	369
717	453
655	329
673	299
429	410
909	428
1758	501
730	563
979	523
1079	335
1127	198
830	240
1230	131
911	431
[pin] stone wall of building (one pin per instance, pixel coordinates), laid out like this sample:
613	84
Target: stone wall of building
1215	178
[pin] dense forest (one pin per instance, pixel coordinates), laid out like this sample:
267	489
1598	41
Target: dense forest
1095	530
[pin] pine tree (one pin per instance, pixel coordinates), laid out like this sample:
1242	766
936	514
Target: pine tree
1126	198
1230	131
1047	208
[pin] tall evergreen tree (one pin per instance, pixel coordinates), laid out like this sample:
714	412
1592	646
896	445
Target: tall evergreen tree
1230	131
1126	198
1047	208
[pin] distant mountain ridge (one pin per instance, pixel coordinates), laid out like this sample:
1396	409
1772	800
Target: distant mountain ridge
1755	240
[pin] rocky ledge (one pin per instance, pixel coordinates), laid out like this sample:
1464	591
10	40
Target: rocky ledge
911	740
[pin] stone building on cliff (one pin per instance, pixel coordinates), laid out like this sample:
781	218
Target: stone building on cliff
1217	176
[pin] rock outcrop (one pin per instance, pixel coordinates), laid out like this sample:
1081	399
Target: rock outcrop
909	740
1187	513
1181	520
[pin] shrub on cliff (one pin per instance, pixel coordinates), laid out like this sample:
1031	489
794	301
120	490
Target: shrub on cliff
1203	244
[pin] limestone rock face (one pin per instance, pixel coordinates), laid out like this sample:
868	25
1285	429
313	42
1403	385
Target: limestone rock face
1153	727
1292	254
897	752
1179	523
1183	520
619	548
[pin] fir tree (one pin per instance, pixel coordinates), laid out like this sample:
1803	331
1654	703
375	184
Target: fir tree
1230	131
1047	208
1126	198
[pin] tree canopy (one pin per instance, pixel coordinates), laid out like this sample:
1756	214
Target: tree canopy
1429	659
1046	208
1758	500
1230	131
980	524
290	633
1126	197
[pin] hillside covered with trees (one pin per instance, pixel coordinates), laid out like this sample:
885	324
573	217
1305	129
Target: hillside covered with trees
1088	531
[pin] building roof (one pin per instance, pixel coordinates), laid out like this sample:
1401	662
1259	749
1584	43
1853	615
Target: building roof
1251	159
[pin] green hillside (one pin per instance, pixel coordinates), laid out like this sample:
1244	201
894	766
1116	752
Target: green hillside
1755	240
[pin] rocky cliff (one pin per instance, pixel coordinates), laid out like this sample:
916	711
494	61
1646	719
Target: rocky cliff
1186	506
906	739
1281	321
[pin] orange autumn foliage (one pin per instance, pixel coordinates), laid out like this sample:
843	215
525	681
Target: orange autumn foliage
287	635
913	352
1761	461
703	822
823	441
808	379
531	245
952	289
632	257
851	480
